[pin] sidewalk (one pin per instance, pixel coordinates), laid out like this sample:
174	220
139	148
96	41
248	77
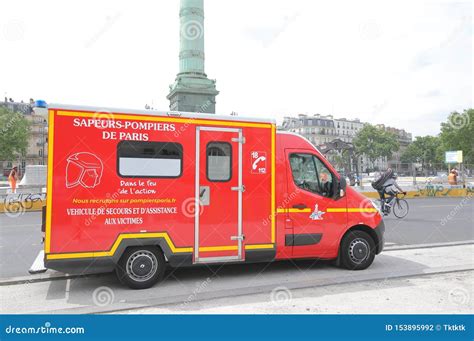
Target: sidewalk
449	293
425	280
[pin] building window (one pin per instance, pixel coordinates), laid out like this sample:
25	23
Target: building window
219	161
149	159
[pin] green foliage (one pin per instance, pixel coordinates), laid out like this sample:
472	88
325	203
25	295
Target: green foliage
13	135
423	150
375	143
458	134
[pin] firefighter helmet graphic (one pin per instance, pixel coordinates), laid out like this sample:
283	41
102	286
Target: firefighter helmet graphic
83	169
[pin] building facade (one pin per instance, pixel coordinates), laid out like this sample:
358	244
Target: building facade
37	150
404	139
321	130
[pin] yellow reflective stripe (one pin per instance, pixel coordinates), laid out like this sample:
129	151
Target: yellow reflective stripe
336	210
49	191
293	210
329	210
259	246
352	210
362	209
188	120
164	235
272	206
218	248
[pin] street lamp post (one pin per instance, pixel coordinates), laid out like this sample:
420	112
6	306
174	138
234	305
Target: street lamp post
43	139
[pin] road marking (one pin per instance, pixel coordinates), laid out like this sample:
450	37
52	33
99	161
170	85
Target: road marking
430	206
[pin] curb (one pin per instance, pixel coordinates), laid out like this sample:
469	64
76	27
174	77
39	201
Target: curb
426	246
428	193
56	276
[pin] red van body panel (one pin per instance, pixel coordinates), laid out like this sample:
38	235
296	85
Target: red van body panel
203	189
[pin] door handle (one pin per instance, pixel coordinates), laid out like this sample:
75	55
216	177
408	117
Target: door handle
300	206
204	195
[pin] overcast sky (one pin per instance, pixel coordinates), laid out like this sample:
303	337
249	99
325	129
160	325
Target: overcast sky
405	64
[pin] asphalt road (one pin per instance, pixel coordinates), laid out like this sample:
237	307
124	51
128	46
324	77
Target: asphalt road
430	220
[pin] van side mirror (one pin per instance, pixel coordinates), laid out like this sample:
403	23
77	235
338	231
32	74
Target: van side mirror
342	187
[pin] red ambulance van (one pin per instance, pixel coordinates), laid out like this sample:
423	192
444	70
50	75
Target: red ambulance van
137	191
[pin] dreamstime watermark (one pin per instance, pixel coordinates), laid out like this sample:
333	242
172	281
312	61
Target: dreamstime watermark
192	30
106	116
110	199
281	296
459	120
368	208
188	207
103	296
13	205
45	329
370	30
281	206
278	31
378	108
11	122
459	296
465	23
456	210
14	30
197	290
182	128
109	22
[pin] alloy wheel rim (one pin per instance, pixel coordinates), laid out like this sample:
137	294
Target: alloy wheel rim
142	265
359	250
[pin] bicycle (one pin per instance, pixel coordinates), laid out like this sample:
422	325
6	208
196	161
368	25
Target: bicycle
398	205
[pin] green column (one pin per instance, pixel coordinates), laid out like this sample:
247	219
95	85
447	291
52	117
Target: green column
192	91
191	37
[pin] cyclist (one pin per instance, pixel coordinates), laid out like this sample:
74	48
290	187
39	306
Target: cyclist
391	188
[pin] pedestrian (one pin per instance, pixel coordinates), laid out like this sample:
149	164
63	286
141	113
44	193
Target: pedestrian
453	177
13	178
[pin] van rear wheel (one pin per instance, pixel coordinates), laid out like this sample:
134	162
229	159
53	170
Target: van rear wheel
357	250
141	267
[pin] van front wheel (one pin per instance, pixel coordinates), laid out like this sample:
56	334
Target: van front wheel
357	250
141	267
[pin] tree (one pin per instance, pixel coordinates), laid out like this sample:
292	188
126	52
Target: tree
458	134
423	150
341	161
13	135
375	143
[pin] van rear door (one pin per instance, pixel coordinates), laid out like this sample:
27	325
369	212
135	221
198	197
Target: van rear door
218	222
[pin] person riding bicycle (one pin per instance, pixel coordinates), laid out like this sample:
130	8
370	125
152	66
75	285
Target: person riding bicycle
391	188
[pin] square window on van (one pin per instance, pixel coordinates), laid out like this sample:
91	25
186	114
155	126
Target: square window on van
219	161
149	159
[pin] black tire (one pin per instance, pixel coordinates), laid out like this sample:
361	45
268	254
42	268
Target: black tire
400	208
141	267
357	250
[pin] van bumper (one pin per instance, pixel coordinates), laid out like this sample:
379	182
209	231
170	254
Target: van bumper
81	266
380	231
